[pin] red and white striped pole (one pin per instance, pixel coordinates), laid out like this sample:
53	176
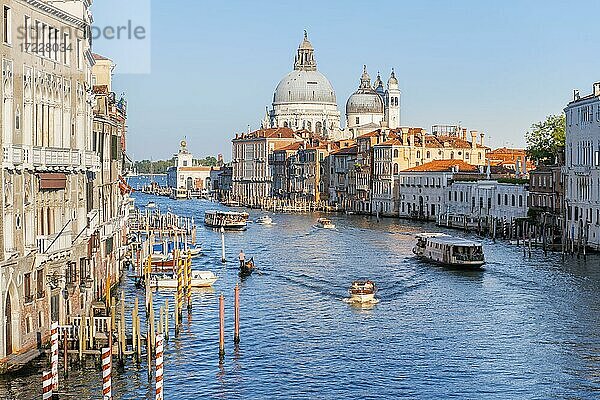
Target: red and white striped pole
106	373
47	385
159	367
54	355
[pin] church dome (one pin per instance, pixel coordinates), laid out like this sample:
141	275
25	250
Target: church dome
304	86
365	100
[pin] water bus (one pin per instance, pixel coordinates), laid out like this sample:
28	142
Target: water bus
450	251
230	220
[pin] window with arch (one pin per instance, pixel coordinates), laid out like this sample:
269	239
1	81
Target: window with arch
428	154
452	155
480	156
357	120
505	199
499	199
521	200
395	153
418	154
318	128
309	125
513	202
396	168
285	124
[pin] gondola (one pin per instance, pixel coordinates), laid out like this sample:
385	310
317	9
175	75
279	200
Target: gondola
247	268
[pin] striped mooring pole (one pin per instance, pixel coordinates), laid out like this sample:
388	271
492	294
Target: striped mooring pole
159	366
54	355
106	373
47	385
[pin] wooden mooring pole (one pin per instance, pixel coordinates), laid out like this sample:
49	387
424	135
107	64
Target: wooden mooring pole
236	312
221	326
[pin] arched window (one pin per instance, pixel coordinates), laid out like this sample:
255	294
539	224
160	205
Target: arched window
428	154
505	199
309	125
452	155
499	199
418	154
395	169
285	124
395	153
521	200
318	128
513	202
479	156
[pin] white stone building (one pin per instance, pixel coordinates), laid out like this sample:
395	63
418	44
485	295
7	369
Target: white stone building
422	189
582	167
483	198
185	175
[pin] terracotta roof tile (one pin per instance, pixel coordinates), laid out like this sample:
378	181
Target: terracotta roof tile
443	166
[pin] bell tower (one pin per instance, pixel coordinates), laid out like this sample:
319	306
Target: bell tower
392	102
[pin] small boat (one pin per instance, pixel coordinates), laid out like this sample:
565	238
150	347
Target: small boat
230	220
159	248
325	223
449	251
151	204
264	220
362	291
169	280
248	267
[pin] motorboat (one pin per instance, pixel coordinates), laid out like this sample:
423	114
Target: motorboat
264	220
151	204
325	223
362	291
230	220
449	251
169	280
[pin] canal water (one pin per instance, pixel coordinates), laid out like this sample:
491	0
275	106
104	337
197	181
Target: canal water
521	329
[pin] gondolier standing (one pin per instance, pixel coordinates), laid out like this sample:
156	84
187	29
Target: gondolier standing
242	258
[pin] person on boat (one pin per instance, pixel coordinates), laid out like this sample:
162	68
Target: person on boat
242	258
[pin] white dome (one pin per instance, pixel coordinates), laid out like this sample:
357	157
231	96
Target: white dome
300	86
364	103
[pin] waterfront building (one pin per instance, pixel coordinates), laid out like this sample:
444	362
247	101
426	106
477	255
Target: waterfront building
309	178
186	176
342	187
484	198
582	168
48	167
422	189
252	154
406	148
305	99
107	207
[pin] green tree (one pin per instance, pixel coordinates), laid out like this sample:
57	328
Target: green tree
209	161
545	139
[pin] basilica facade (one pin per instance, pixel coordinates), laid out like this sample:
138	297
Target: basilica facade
305	100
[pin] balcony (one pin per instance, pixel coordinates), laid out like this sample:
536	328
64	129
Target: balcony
50	244
50	157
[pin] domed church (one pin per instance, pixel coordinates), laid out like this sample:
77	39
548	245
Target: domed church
304	98
370	108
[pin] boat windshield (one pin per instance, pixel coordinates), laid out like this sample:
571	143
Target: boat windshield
468	253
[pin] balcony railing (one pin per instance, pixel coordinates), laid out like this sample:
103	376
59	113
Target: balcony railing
37	156
54	243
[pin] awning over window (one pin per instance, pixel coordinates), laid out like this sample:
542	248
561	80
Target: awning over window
53	180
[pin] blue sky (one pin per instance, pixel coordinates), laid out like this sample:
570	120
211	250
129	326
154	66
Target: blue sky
496	67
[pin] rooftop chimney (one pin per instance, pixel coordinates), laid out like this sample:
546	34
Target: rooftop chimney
575	95
473	139
464	133
481	135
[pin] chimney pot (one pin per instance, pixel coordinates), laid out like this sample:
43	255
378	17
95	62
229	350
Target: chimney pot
597	89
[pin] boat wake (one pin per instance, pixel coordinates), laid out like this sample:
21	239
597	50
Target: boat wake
349	300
